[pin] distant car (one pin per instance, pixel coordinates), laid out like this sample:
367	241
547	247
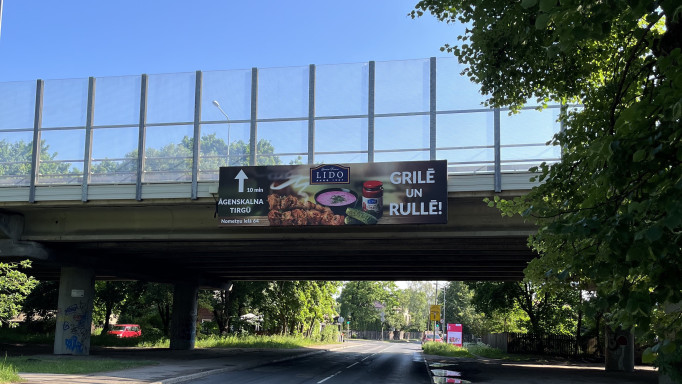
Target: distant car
428	337
125	330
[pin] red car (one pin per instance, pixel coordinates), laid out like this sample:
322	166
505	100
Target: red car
125	330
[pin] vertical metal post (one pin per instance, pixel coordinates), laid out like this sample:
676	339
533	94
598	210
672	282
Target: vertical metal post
432	108
253	136
498	157
562	115
311	115
87	157
370	113
35	154
197	136
142	136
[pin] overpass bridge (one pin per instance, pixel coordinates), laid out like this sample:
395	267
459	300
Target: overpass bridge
117	178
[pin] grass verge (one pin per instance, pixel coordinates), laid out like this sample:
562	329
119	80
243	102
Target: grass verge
8	373
70	365
279	342
443	349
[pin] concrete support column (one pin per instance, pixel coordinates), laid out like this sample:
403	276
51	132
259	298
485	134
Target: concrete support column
183	330
74	316
620	350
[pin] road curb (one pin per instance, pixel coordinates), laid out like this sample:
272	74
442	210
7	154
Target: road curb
199	375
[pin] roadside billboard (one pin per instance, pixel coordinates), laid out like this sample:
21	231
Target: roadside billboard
455	334
408	192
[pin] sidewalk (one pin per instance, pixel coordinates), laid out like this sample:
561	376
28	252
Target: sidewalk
177	366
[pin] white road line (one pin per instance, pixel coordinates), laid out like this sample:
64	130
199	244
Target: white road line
357	362
323	380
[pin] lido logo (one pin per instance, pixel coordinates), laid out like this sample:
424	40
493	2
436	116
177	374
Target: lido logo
330	174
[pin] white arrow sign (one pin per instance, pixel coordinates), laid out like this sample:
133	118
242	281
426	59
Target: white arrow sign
241	176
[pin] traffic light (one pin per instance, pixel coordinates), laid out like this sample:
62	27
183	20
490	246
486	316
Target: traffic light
437	326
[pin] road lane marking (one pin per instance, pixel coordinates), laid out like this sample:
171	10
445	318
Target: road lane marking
323	380
357	362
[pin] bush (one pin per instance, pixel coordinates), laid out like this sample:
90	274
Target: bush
8	373
444	349
329	334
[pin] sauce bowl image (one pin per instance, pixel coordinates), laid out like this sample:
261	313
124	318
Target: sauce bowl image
337	199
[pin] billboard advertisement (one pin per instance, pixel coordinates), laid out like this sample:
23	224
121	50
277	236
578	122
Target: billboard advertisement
407	192
455	334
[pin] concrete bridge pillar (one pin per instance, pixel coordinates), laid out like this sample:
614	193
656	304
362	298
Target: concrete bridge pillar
183	330
74	314
620	350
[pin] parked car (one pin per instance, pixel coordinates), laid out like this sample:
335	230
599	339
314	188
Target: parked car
125	330
428	336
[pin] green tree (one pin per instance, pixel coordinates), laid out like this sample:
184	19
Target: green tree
459	308
416	299
110	296
15	159
360	302
41	306
293	307
547	311
14	287
609	213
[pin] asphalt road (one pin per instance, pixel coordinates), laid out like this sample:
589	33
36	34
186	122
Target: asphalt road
362	362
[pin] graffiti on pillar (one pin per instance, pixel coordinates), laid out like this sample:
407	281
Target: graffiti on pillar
616	343
76	326
74	345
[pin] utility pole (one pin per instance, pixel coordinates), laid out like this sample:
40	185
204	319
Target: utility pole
0	16
435	301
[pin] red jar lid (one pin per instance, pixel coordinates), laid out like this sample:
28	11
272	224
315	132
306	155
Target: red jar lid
372	184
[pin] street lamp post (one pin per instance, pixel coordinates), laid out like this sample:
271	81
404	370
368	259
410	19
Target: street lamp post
217	105
0	15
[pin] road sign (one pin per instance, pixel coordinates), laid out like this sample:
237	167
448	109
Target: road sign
435	313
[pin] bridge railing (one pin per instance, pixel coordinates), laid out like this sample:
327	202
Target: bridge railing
182	127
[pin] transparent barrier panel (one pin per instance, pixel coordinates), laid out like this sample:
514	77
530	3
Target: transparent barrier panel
341	158
114	155
15	158
469	160
170	98
282	139
341	89
213	152
65	103
413	155
459	130
117	100
17	105
232	91
283	92
61	160
402	132
402	86
340	135
168	155
453	90
524	137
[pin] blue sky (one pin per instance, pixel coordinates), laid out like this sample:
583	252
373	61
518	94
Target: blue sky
75	39
80	38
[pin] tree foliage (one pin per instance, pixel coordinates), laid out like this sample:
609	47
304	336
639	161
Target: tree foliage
14	287
362	302
609	213
15	159
457	299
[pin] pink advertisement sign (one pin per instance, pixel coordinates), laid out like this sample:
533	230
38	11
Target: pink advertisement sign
455	334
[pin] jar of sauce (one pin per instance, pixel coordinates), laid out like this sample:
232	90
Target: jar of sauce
373	197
